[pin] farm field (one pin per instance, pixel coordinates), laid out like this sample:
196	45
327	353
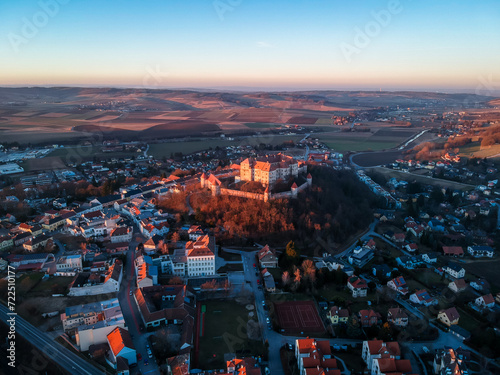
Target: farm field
474	150
382	139
160	150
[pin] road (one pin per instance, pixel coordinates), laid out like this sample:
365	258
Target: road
275	339
69	361
132	315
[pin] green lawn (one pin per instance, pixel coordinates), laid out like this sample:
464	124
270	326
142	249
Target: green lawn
467	321
358	141
225	332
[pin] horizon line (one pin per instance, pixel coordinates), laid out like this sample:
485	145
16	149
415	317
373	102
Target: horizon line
256	88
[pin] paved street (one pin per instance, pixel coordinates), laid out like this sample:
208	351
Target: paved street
132	316
53	350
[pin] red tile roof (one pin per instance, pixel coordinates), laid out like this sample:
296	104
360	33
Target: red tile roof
118	339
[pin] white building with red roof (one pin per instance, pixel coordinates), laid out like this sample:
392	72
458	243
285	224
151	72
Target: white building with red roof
200	256
399	285
357	286
270	168
375	349
485	301
267	258
314	357
121	346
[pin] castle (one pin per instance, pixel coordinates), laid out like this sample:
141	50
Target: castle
270	168
266	170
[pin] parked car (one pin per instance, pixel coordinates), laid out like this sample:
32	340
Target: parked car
139	356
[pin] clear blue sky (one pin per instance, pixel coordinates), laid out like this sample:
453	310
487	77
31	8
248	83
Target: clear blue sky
442	45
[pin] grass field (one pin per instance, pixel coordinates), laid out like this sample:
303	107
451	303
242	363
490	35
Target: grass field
260	125
422	179
225	332
343	142
487	269
467	321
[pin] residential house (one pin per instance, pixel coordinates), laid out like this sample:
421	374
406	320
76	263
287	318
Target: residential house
399	285
267	258
315	357
146	273
174	304
121	234
454	270
195	232
481	285
244	366
357	286
422	297
398	317
410	262
430	258
374	349
269	283
481	251
92	322
21	238
485	301
53	224
154	244
117	248
30	262
6	242
330	262
391	366
87	283
121	348
70	263
458	285
411	247
360	256
399	238
369	318
449	361
449	316
338	315
37	243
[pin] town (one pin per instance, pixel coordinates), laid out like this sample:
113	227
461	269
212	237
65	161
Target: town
119	263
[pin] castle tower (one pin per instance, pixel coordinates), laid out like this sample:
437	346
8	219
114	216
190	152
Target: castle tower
309	180
267	194
294	190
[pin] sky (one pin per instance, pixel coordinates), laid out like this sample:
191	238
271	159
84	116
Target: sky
295	44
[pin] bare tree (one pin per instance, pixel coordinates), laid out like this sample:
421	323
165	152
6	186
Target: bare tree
285	278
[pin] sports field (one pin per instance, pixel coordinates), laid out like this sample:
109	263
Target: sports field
299	316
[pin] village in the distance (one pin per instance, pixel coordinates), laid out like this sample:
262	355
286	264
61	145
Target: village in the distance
355	241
